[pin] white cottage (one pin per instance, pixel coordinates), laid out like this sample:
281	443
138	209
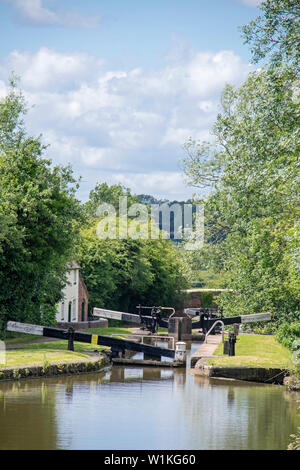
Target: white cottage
74	306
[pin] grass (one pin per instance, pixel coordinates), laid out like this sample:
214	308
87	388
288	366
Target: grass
52	352
29	357
109	331
162	331
255	351
55	351
20	339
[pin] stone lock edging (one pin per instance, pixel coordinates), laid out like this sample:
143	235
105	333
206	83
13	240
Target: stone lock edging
249	374
95	364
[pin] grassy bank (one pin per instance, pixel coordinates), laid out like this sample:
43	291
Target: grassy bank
29	357
54	351
121	332
255	351
20	338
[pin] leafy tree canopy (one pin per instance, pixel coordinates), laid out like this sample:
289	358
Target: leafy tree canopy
121	273
275	34
38	218
252	213
103	193
252	170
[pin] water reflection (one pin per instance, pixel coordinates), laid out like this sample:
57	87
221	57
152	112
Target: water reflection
145	408
27	416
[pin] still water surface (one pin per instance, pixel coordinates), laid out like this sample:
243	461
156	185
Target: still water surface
145	408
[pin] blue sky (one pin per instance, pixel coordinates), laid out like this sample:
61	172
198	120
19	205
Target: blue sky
119	85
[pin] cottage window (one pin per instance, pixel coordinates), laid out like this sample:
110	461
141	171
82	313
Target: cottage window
70	312
83	310
62	311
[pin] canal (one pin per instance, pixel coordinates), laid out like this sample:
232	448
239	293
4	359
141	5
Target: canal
145	408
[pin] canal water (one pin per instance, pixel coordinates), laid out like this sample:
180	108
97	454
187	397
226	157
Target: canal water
145	408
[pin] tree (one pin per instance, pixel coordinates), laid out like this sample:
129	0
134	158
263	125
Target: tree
113	270
103	193
121	273
252	168
276	33
38	215
254	198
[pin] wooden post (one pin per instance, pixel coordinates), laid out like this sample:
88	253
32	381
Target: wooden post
236	329
71	332
232	341
179	329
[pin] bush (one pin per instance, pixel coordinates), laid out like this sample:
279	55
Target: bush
206	299
287	333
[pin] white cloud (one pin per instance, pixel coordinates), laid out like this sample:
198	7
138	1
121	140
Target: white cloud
34	13
158	184
123	125
251	3
47	70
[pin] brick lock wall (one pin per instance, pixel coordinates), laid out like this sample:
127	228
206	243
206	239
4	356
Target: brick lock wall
194	300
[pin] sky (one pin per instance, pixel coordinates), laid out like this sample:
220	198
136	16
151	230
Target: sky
116	87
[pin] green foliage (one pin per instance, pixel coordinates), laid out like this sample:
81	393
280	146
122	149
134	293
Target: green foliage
38	216
120	274
253	205
206	299
14	338
252	169
275	34
103	193
46	365
207	264
210	279
132	272
295	441
287	333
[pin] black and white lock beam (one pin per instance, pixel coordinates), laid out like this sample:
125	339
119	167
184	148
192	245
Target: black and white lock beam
128	317
116	344
207	323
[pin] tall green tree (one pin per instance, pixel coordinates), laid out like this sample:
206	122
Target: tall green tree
38	218
254	198
121	273
252	168
275	34
103	193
